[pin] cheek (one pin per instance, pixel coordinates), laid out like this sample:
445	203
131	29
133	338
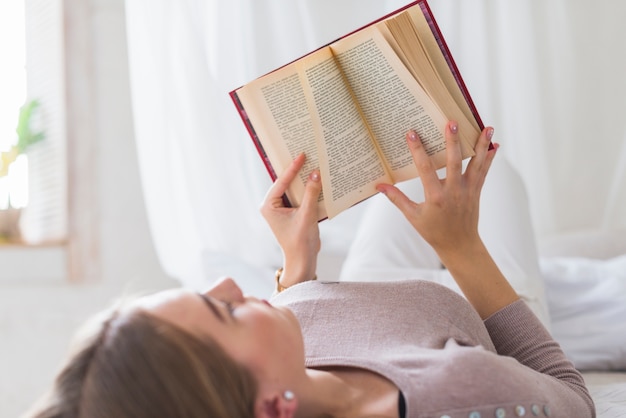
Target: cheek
250	344
267	340
264	333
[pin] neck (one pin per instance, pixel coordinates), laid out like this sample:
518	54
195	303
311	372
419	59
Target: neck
346	392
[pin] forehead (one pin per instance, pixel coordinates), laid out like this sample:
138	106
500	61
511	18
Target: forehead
157	299
180	307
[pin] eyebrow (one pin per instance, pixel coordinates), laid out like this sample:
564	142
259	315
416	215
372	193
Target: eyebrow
208	302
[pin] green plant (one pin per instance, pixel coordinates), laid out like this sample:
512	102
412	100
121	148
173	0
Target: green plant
26	135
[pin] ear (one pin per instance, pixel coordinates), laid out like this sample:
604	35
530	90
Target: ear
274	405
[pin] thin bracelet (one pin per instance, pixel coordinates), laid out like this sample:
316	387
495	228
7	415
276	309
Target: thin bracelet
279	287
277	276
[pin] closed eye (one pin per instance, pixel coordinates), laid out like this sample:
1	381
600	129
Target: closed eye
211	304
218	311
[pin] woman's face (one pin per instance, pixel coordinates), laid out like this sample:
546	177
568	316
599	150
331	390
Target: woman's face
265	339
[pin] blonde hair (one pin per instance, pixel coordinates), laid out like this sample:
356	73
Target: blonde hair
137	365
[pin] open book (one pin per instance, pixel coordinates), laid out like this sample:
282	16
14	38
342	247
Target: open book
348	106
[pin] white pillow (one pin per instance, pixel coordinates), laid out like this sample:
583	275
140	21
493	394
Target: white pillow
586	243
587	303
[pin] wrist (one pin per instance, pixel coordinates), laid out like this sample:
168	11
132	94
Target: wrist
460	250
288	276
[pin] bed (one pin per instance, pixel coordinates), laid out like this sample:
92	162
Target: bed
608	390
585	275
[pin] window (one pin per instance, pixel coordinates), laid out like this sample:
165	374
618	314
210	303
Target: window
45	218
35	184
13	88
58	225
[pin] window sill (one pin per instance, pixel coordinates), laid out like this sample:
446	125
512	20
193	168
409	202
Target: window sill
22	264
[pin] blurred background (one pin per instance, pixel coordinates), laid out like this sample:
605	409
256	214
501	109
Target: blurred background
125	167
86	239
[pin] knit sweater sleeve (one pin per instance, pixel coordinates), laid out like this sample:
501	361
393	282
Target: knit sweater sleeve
516	332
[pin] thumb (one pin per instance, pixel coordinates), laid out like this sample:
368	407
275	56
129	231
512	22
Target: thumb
312	190
398	198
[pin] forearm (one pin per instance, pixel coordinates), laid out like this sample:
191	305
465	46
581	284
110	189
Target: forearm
517	333
479	278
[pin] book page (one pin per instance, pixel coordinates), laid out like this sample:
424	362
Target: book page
439	61
391	100
351	167
277	108
412	45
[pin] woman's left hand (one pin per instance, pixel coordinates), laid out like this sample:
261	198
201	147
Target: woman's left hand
296	229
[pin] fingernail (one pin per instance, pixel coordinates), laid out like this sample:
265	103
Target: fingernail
413	136
454	128
489	133
315	176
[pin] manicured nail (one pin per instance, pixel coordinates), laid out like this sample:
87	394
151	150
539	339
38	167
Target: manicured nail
454	128
413	136
315	176
489	133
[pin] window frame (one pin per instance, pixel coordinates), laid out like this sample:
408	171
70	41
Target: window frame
83	248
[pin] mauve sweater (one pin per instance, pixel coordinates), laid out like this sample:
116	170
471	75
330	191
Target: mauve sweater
434	347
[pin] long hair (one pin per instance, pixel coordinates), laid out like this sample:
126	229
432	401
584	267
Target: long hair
137	365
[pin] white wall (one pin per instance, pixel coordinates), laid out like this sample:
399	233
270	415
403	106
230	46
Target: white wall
37	319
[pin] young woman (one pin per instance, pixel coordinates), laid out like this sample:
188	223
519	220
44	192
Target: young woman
409	348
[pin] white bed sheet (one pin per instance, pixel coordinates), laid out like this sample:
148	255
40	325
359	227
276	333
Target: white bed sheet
587	302
608	390
585	273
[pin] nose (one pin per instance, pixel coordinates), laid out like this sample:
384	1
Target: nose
226	290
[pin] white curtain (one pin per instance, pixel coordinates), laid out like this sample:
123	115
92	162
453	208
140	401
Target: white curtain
548	75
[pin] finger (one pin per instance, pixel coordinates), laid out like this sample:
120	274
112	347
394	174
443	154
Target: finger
476	166
399	199
423	163
312	192
491	154
454	158
281	184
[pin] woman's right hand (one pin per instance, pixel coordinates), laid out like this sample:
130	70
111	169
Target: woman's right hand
296	229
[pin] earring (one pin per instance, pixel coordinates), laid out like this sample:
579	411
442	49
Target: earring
288	395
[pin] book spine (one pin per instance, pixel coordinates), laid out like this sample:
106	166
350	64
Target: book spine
255	140
253	135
